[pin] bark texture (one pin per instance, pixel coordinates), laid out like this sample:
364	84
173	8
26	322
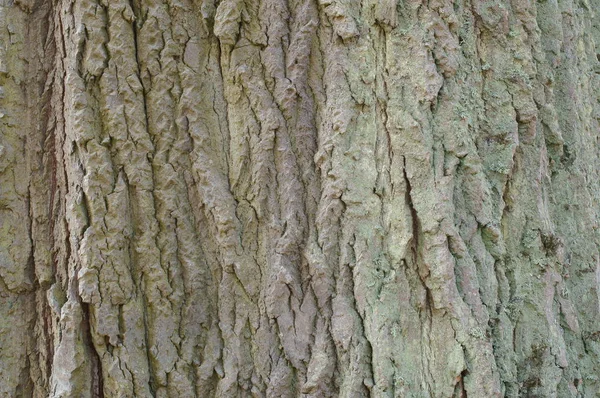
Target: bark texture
299	198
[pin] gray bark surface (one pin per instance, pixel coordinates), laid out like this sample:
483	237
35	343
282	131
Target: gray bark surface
299	198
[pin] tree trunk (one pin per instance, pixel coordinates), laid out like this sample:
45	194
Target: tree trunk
299	198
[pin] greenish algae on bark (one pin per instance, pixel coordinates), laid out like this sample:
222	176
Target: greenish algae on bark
333	198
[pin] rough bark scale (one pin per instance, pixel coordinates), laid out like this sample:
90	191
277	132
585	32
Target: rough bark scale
290	198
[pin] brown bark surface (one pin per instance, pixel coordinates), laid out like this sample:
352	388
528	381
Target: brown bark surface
299	198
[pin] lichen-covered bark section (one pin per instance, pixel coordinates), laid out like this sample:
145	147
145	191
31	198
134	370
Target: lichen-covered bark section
299	198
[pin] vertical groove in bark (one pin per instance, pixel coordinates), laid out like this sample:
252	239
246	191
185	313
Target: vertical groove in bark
299	198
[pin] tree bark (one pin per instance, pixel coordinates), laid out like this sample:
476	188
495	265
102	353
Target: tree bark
299	198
